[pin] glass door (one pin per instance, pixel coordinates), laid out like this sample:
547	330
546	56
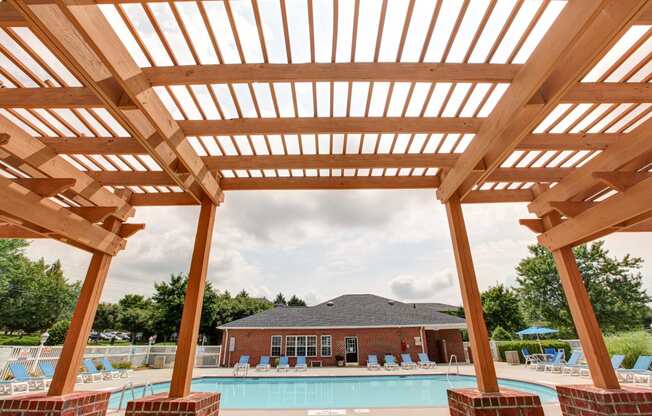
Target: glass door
351	347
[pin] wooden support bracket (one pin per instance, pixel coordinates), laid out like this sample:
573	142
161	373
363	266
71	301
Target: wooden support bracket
94	214
571	209
621	181
46	187
534	224
127	230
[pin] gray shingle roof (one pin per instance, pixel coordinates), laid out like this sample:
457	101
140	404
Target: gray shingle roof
350	311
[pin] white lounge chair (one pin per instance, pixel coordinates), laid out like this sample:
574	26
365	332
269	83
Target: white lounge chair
301	364
390	362
263	365
407	363
424	361
372	362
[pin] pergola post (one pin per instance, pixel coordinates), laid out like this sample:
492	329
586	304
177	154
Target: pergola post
470	401
478	335
189	330
579	303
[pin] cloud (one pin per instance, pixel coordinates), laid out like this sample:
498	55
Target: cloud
410	287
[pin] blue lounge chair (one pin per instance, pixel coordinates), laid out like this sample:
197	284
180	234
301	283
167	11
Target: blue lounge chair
390	362
21	374
572	363
641	369
243	362
91	372
108	368
556	361
372	362
424	361
549	354
407	363
283	364
301	364
616	362
47	368
559	366
14	385
263	365
530	359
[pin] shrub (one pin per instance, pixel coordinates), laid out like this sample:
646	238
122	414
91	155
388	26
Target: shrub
122	365
58	333
500	334
631	345
532	346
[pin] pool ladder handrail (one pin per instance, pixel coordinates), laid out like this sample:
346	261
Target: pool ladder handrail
130	387
244	369
450	364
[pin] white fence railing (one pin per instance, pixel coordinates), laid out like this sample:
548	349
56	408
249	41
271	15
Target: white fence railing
138	355
574	344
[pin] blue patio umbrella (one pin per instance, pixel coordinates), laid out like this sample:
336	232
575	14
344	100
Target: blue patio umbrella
537	330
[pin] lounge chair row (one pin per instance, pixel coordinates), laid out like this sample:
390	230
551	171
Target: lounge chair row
23	381
406	362
265	365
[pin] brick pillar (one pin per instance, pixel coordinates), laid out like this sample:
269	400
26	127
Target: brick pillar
472	402
194	404
82	403
587	400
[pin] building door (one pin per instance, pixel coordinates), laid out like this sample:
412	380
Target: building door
351	348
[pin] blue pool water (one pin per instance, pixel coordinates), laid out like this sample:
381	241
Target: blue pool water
337	392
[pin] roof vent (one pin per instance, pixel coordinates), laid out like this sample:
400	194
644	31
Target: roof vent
391	302
330	303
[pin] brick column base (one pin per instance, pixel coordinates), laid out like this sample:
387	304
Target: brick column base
472	402
195	404
587	400
83	403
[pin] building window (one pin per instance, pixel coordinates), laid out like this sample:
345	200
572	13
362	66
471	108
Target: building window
311	349
301	345
276	346
326	350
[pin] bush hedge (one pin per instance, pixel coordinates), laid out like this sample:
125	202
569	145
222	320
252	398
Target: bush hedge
532	346
631	345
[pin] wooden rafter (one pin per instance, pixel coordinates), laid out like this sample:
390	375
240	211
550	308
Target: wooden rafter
46	187
93	214
81	35
621	180
570	209
609	92
583	31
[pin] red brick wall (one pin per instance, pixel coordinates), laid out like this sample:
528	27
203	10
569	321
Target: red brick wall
379	341
454	344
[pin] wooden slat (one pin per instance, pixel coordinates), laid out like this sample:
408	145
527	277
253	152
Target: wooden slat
81	36
478	335
570	209
39	159
614	158
49	97
309	125
583	31
499	196
609	92
94	214
619	208
621	180
409	72
578	141
31	208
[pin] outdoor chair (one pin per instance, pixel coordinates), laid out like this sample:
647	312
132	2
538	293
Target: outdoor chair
14	385
530	359
640	369
47	369
572	363
21	374
372	362
243	362
559	361
283	364
390	362
616	362
91	372
108	368
549	354
263	365
424	361
407	363
301	364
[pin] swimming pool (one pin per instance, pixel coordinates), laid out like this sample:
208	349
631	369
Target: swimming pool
337	392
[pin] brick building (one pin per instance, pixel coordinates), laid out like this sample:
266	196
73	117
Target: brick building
350	326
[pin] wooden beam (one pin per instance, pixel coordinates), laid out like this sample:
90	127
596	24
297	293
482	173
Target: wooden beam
621	181
533	224
569	141
619	208
128	229
37	160
162	199
609	92
49	97
314	125
31	208
586	324
478	336
499	196
9	231
80	36
615	158
46	187
94	214
332	182
9	16
582	32
189	329
347	72
570	209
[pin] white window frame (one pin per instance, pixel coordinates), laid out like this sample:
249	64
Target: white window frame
280	345
315	345
293	338
330	346
296	345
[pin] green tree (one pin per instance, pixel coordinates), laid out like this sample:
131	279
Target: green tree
106	317
58	332
614	286
134	314
501	309
295	301
500	334
280	300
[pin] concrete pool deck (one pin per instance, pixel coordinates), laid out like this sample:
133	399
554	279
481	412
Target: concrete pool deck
503	370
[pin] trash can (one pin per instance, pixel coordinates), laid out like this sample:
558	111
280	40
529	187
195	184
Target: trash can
512	357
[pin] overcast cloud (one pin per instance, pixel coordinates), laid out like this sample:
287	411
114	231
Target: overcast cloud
320	244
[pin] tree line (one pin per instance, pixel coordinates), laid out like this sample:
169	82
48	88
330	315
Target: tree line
615	286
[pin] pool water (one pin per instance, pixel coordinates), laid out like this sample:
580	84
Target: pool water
336	392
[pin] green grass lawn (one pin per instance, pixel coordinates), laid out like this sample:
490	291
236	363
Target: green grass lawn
16	340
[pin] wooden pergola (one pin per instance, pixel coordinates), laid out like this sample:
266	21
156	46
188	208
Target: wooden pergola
109	105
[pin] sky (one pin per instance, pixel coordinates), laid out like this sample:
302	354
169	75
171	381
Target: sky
321	244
